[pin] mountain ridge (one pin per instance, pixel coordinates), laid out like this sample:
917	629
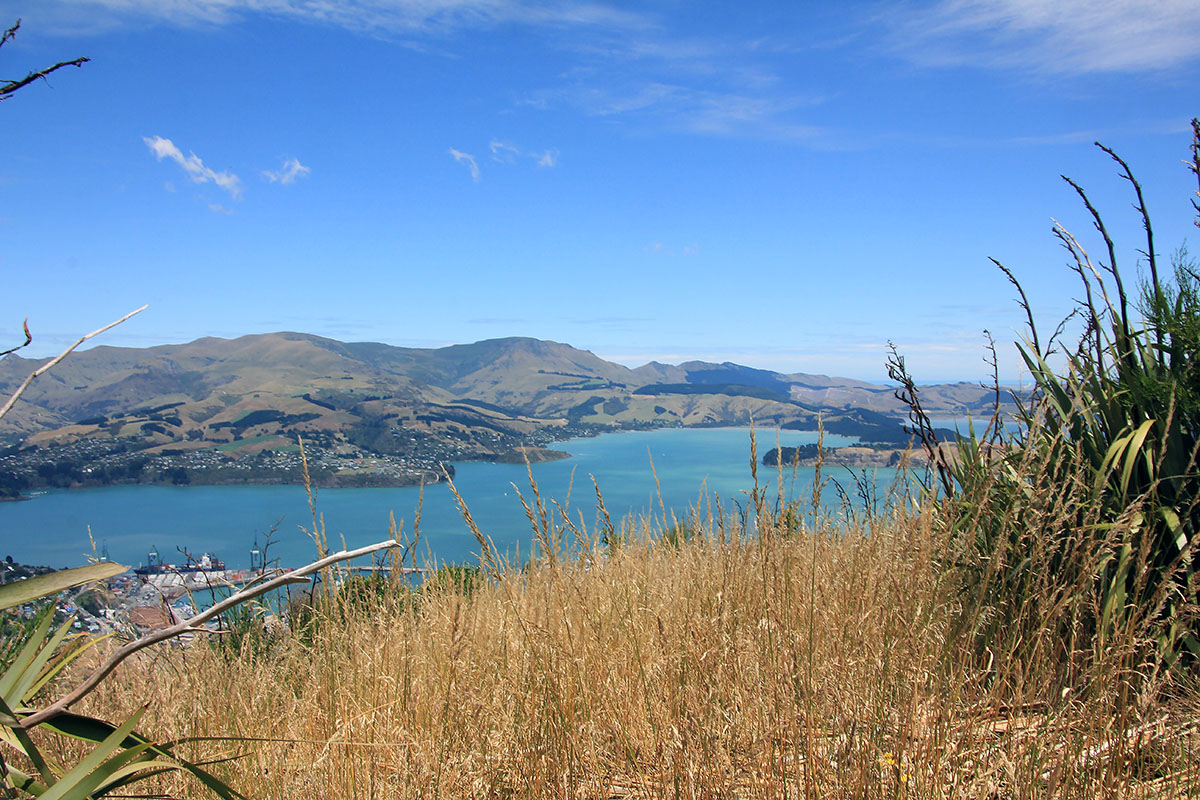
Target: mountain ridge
216	401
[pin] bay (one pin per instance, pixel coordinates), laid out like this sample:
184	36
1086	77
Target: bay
127	521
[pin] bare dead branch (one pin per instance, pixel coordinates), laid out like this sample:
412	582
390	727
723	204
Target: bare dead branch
10	34
52	362
193	624
28	339
12	86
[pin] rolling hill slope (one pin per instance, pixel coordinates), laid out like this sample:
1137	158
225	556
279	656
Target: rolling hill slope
257	394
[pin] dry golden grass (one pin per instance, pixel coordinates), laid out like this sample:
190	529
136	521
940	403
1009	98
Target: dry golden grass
795	662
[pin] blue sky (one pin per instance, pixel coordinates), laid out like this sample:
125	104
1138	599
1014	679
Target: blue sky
786	185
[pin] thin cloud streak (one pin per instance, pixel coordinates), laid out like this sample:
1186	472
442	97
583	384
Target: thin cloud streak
193	166
508	153
503	152
1061	37
704	112
287	174
638	64
469	161
396	17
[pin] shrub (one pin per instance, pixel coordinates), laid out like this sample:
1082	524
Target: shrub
1104	456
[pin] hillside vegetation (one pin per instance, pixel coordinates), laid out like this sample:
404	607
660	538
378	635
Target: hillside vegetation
815	658
219	410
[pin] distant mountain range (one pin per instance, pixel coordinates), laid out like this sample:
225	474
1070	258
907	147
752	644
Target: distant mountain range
258	393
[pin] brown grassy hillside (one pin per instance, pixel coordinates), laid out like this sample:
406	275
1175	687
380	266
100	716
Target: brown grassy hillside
817	658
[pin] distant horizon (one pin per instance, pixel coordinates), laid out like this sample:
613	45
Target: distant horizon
33	353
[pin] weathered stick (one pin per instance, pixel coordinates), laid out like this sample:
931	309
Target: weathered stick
50	364
192	624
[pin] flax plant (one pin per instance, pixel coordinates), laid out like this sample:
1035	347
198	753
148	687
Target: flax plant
1076	534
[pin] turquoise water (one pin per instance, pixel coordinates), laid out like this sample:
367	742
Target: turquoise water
52	528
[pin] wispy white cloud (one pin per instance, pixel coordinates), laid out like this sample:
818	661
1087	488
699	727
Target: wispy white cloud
752	116
508	153
503	151
399	17
703	111
1063	36
469	161
288	173
625	61
715	85
193	166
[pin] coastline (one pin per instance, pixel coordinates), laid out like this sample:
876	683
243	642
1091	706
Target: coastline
854	455
534	455
362	480
224	518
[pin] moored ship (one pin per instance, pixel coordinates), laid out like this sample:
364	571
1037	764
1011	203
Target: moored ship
201	573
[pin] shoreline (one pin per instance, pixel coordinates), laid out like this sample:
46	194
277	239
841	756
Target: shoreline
359	481
853	455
